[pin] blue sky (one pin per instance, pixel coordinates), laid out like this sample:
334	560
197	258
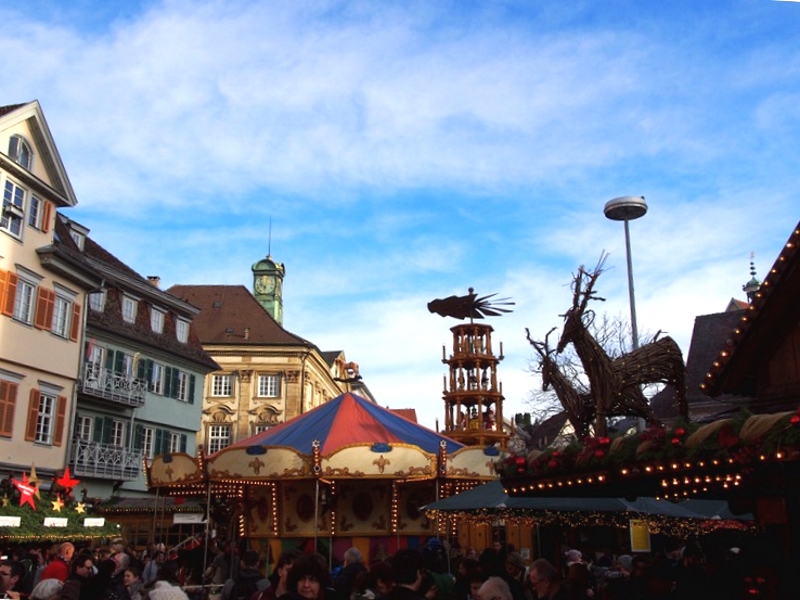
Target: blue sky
407	151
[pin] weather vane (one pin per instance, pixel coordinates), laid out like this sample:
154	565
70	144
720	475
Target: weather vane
470	306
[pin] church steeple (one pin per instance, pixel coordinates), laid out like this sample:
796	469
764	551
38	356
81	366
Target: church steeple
751	287
268	286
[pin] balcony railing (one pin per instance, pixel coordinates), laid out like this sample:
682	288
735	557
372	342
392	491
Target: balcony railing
92	459
117	387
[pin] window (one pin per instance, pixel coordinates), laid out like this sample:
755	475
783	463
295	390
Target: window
219	437
156	320
8	402
117	433
269	386
129	306
182	330
97	300
182	392
157	378
35	213
148	438
83	428
23	303
221	385
260	428
78	238
177	442
45	419
13	209
20	152
61	316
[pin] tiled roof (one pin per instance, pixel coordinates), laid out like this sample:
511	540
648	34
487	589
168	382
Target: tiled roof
771	316
110	319
408	413
4	110
710	334
230	313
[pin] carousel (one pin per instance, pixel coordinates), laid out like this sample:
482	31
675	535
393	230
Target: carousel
348	473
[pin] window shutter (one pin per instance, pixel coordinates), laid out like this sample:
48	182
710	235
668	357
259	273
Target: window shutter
45	300
168	382
8	400
9	295
159	447
148	370
141	368
61	414
75	326
108	427
98	430
119	362
191	389
110	360
47	213
138	437
183	442
33	416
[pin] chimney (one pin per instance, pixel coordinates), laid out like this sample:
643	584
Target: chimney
246	334
154	280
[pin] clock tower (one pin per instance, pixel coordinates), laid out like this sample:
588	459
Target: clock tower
268	286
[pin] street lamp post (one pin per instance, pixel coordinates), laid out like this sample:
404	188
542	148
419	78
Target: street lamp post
628	208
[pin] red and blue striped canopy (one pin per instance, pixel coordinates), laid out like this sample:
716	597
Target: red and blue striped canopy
345	420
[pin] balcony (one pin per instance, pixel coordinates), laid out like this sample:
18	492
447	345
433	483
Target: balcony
104	461
117	387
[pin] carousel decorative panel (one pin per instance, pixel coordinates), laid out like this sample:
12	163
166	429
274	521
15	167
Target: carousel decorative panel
260	505
298	508
363	507
411	497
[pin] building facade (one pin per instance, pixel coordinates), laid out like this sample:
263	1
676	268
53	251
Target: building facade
43	289
141	376
267	374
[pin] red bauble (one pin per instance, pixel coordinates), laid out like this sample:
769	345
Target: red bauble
675	441
794	419
680	431
599	453
552	464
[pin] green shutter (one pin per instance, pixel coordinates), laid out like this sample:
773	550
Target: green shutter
97	435
183	442
191	389
119	362
138	437
168	382
108	425
158	446
110	359
174	383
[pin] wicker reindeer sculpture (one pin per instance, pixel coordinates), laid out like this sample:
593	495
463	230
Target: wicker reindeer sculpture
616	383
578	405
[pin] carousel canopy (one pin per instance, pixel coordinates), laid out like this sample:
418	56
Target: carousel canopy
349	419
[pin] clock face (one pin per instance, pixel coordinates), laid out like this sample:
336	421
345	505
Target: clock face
265	284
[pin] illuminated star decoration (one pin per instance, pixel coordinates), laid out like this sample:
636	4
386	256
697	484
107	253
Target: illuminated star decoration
80	508
58	504
66	480
26	491
34	481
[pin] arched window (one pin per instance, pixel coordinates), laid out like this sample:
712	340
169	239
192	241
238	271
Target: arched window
20	151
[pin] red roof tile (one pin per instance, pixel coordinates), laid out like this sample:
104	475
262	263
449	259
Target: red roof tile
226	311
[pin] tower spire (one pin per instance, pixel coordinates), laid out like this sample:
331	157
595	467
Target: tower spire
751	287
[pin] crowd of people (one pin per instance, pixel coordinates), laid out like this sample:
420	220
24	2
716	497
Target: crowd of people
65	572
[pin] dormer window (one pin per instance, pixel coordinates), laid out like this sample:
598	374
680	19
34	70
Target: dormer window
182	330
129	307
20	151
156	320
78	238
